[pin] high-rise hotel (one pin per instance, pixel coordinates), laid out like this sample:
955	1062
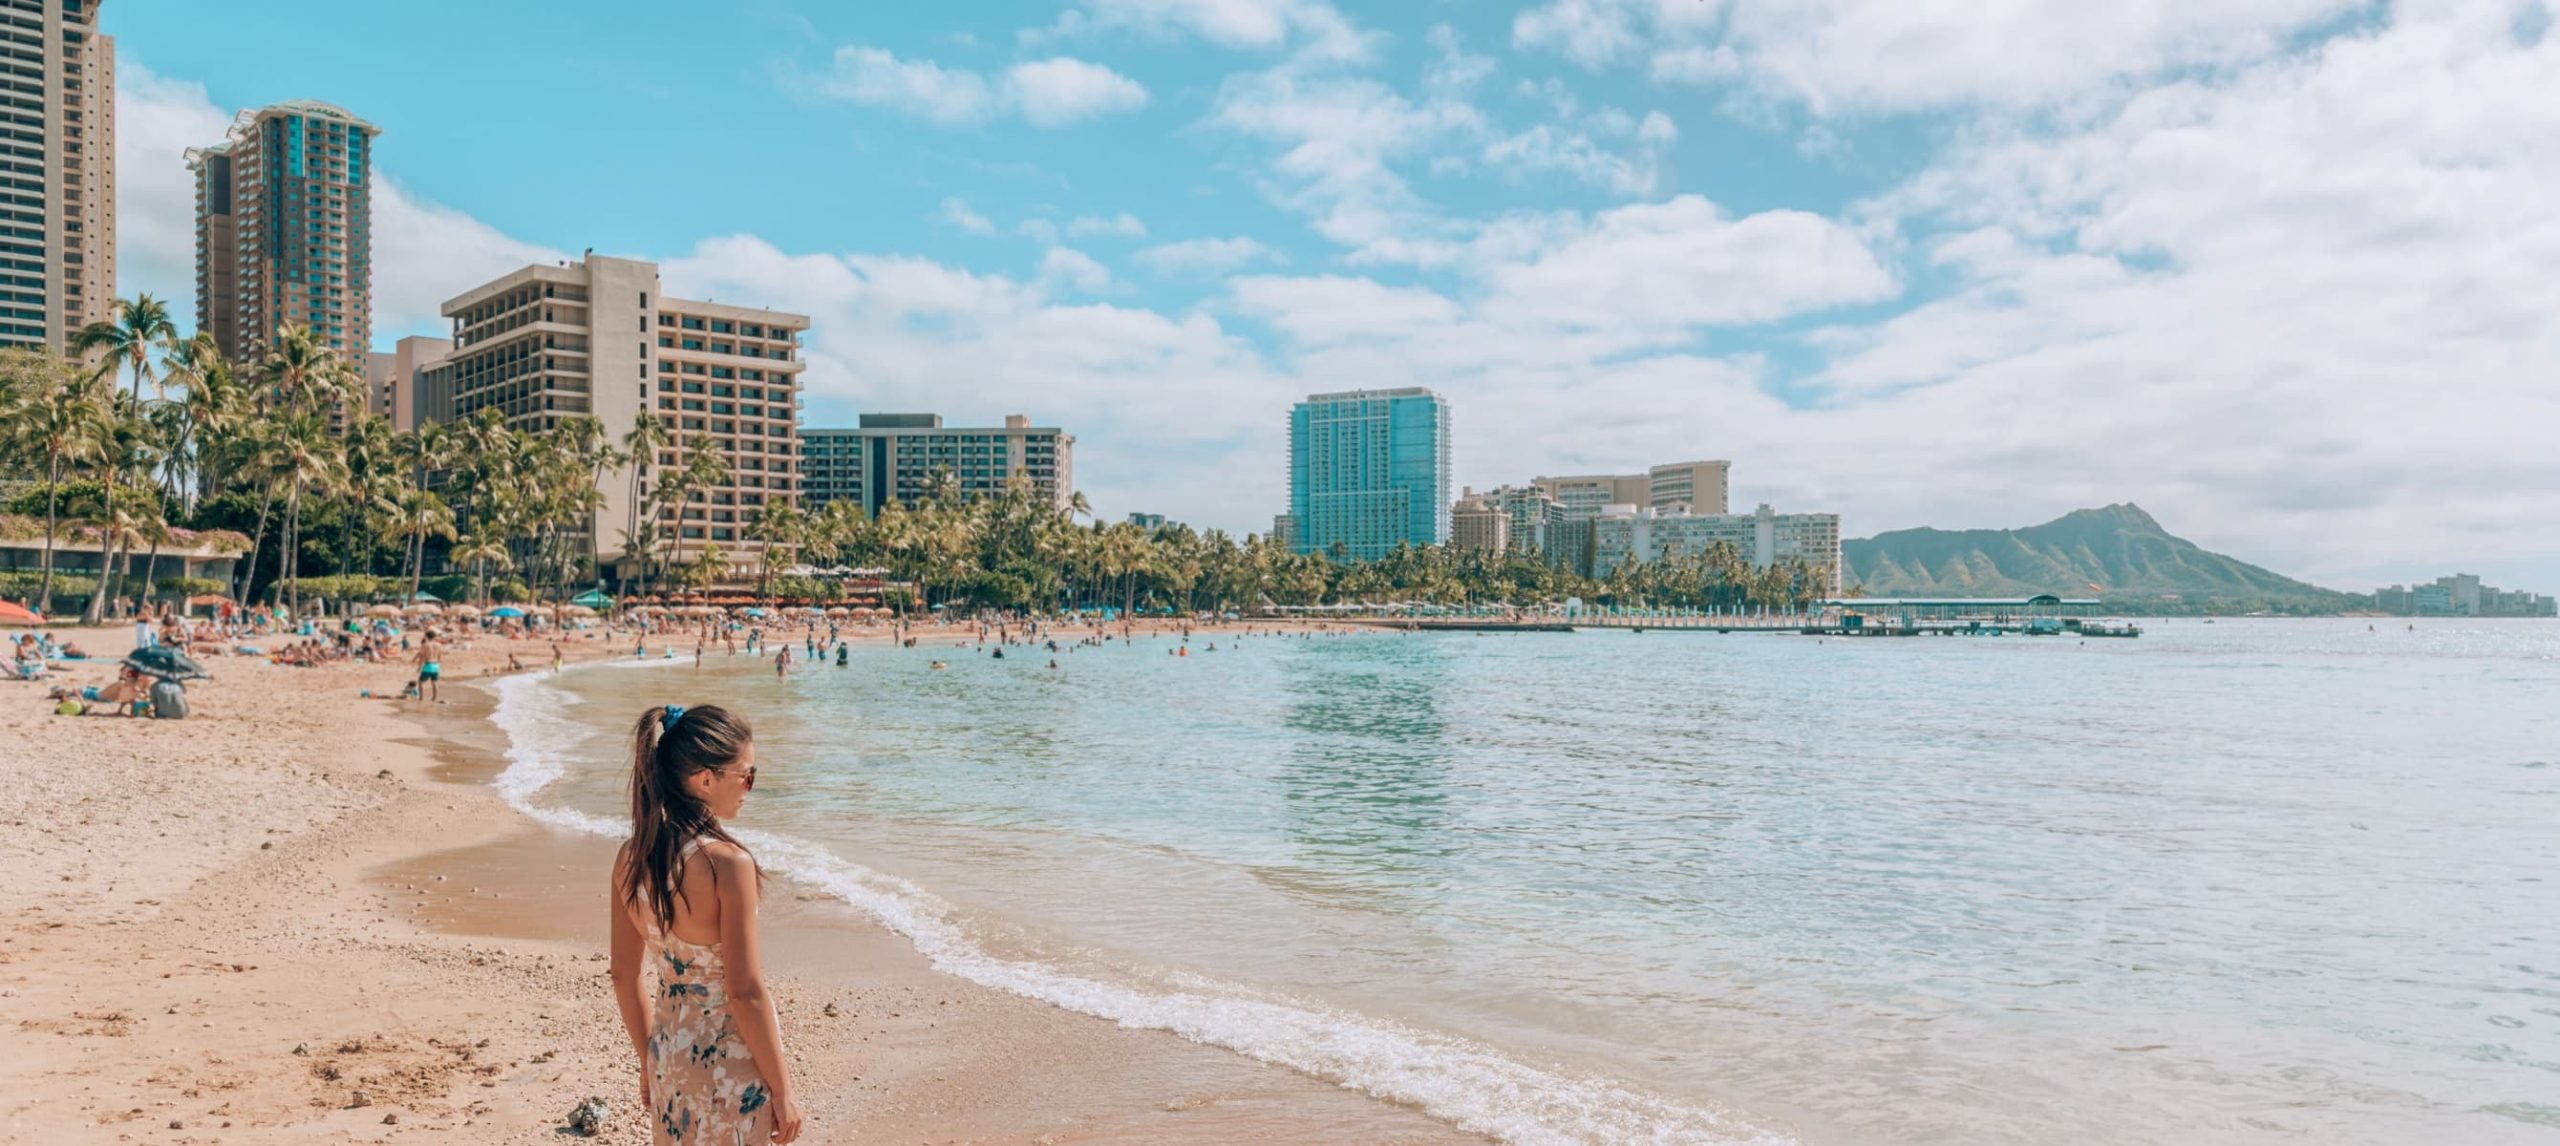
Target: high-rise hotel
284	229
57	171
886	458
546	343
1368	470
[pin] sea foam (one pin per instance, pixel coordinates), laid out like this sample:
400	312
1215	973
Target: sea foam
1465	1083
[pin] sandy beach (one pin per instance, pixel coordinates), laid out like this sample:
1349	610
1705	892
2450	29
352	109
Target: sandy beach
302	916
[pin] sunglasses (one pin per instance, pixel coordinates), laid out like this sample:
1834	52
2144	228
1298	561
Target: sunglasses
750	775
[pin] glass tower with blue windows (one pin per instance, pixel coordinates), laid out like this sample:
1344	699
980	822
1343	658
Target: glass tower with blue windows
1368	471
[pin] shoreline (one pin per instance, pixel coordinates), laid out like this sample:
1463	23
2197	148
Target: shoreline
420	941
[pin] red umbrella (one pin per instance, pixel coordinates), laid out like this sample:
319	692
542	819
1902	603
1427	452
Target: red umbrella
14	614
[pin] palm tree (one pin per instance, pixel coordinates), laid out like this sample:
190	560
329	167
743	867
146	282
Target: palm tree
648	435
308	460
209	405
141	326
301	372
779	527
415	514
484	549
61	416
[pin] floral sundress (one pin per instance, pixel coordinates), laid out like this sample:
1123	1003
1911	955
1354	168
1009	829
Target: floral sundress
701	1075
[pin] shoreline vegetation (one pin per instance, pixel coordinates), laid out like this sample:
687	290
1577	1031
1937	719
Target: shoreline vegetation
282	462
300	913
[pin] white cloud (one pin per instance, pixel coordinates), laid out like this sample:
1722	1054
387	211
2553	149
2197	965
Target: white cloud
1609	149
957	212
1071	268
1686	263
1339	136
157	120
1838	56
1044	93
1061	90
1207	256
423	252
875	78
1326	310
2310	301
1317	28
1120	226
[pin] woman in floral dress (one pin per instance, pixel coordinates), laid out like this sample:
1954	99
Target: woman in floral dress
684	905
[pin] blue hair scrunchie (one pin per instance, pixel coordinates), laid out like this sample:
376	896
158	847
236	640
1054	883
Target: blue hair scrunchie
667	723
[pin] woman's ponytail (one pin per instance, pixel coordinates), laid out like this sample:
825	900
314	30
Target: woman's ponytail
669	743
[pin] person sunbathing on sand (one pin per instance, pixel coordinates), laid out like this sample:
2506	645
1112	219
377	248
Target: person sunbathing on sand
128	689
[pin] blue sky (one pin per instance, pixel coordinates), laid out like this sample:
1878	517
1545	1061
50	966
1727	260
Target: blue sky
1914	263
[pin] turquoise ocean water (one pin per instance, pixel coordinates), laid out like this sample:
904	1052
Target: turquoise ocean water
2253	881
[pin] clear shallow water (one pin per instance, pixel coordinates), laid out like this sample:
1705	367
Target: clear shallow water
2246	882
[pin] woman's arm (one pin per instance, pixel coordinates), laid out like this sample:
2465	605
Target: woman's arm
749	1003
628	956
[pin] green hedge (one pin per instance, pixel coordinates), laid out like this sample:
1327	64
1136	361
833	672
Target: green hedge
21	585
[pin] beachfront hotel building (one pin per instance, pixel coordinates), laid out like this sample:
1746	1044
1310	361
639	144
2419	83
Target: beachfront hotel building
1763	537
1479	522
2462	595
1368	471
885	458
57	171
1698	487
284	229
391	380
546	343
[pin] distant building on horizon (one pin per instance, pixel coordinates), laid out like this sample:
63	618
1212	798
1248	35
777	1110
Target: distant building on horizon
1149	521
1369	471
60	110
1479	522
546	343
284	229
2462	595
392	379
1699	487
886	458
1763	537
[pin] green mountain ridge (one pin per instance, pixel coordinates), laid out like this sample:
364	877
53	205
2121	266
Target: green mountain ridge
2120	549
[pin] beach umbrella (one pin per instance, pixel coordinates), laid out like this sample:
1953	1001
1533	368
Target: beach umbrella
423	609
463	611
839	611
164	661
577	611
591	599
383	611
424	597
754	611
12	613
506	611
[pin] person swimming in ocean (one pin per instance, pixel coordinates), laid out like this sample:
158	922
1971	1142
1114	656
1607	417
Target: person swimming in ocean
840	653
